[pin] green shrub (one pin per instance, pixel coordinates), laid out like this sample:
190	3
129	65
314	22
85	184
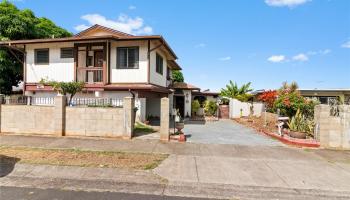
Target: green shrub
210	108
195	106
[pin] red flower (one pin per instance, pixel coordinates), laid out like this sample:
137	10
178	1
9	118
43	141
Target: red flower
286	102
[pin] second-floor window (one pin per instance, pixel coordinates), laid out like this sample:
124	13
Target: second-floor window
41	56
159	64
127	57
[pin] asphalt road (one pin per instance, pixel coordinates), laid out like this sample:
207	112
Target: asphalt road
16	193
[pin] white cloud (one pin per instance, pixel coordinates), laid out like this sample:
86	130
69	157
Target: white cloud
131	7
225	58
200	45
277	58
282	3
346	44
123	23
326	51
81	27
301	57
319	52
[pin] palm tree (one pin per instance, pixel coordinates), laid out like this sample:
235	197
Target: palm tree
293	87
233	91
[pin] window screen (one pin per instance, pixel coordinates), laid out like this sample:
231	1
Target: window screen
67	52
41	56
127	57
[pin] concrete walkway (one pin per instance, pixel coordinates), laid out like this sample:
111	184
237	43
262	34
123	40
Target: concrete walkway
226	132
201	170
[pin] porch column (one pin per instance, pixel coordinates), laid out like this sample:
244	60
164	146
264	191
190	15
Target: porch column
59	115
164	119
129	117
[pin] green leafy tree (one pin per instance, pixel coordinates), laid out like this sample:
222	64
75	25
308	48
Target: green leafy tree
232	90
65	88
18	24
177	76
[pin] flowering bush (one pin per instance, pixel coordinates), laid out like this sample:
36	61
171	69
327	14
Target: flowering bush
268	97
289	102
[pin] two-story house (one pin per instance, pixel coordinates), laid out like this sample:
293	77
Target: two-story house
112	64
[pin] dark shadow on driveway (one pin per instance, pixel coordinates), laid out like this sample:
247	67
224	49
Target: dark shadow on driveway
199	122
7	164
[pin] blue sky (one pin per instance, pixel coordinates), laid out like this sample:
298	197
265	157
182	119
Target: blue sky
262	41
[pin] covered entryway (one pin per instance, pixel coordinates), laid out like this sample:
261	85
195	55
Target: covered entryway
225	132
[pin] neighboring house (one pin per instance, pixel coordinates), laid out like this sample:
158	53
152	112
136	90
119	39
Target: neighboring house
325	96
185	93
112	64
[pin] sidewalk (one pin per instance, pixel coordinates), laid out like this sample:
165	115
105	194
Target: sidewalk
145	182
200	170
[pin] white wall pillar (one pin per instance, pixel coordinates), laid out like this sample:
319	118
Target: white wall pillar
59	115
164	119
129	117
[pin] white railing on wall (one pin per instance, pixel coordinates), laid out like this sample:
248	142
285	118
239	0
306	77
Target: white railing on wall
42	101
27	100
96	102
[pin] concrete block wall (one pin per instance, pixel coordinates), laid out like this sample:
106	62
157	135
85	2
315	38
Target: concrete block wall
59	120
98	122
333	131
25	119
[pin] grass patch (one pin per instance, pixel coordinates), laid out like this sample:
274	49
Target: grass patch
83	158
143	128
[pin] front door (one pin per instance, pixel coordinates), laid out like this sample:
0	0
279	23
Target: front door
98	63
180	105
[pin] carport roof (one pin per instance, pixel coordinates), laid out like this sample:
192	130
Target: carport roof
184	86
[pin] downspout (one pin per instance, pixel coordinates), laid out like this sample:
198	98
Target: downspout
149	61
132	93
24	70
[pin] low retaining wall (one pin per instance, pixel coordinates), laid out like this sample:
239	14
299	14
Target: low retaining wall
333	131
60	120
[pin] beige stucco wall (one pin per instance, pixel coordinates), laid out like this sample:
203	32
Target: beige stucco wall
155	77
23	119
99	122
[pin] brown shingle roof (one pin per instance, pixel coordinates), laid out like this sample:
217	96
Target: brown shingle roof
115	35
173	65
184	86
97	26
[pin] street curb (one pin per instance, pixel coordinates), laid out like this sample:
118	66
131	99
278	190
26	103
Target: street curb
183	189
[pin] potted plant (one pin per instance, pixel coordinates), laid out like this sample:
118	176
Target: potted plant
179	125
148	119
300	126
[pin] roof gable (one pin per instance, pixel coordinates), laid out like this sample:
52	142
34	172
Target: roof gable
98	30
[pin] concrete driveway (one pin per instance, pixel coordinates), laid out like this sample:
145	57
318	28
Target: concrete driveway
226	132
